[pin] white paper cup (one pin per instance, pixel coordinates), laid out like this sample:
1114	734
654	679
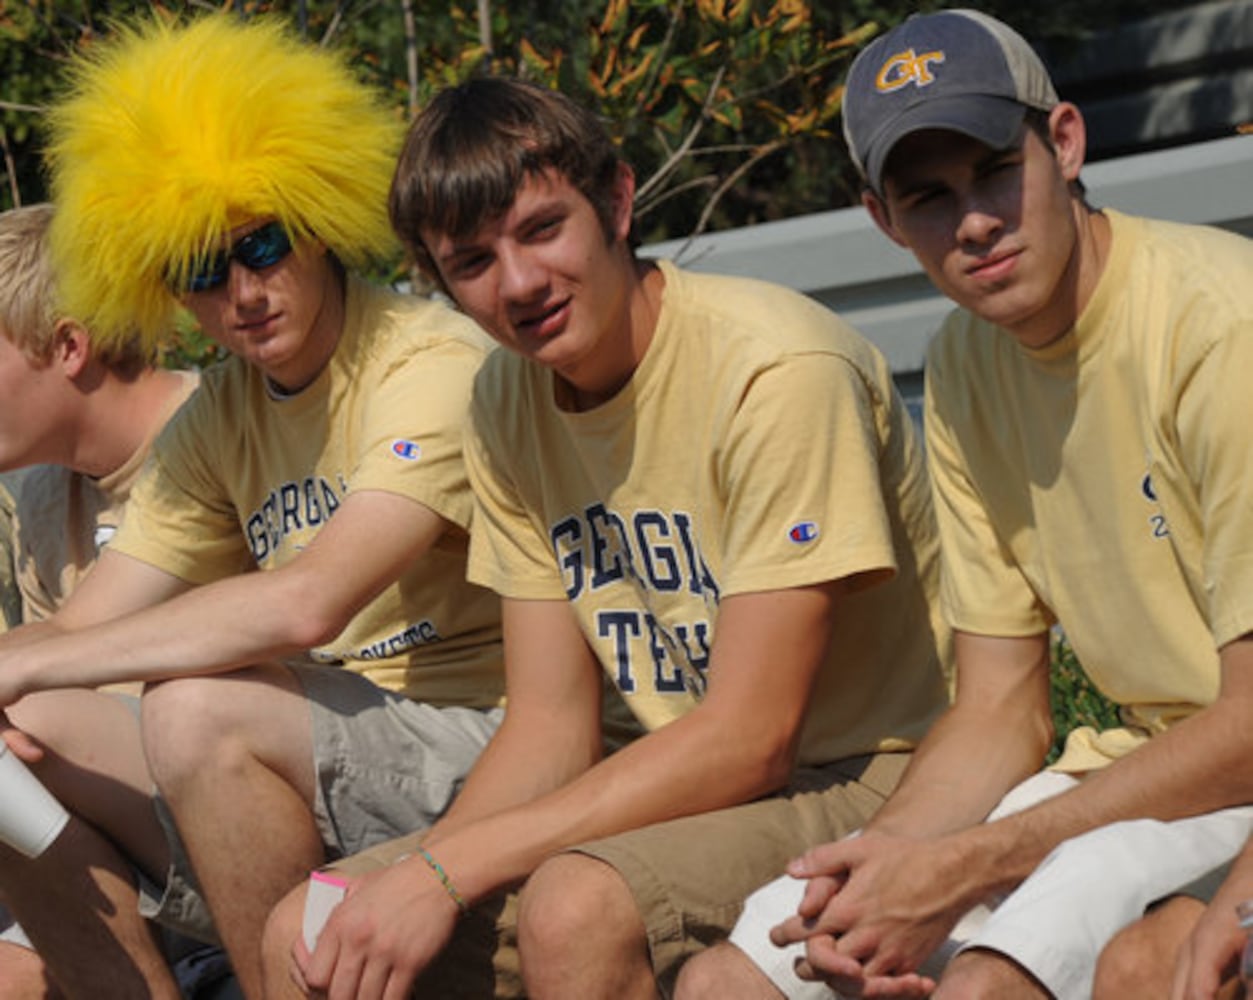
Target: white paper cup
326	890
30	817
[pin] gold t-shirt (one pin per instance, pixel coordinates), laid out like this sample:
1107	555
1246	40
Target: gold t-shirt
64	518
760	445
243	479
1103	482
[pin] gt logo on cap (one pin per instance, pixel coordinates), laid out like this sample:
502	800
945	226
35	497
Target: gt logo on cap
905	68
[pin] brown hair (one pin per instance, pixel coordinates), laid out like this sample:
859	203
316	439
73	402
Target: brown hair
474	145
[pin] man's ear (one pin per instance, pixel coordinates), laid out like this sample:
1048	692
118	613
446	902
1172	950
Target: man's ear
71	347
878	210
623	201
1069	136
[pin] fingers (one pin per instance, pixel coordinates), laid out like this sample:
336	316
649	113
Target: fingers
298	961
825	859
25	748
373	981
317	968
819	892
825	962
347	977
907	987
399	986
793	929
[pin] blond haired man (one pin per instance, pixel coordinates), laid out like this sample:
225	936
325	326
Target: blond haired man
80	422
292	564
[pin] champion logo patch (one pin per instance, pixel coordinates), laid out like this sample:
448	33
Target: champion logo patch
802	532
409	451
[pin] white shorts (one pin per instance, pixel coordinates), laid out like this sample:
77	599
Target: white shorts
1056	923
11	931
776	901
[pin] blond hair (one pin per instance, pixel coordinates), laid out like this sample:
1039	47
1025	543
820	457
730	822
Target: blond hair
28	312
172	135
29	309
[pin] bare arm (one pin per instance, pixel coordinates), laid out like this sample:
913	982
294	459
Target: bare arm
867	889
551	730
364	547
686	767
1211	954
1198	766
1003	702
497	835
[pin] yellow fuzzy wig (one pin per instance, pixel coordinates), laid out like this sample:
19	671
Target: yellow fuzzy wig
170	136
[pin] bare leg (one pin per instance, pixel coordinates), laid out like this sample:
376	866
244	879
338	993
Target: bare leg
23	975
723	972
987	975
580	934
1140	960
76	892
78	902
281	931
233	758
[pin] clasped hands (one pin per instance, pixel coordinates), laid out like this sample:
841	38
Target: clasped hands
874	908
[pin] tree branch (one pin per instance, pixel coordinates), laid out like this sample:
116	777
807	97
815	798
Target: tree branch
689	140
731	180
10	168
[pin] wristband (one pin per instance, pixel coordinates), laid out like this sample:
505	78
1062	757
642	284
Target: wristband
442	875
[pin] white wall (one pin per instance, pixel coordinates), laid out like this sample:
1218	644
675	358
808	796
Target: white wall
843	261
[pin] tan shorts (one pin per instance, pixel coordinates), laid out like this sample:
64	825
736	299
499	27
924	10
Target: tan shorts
481	960
385	766
690	876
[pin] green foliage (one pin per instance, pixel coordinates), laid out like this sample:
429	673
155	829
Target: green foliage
728	109
1075	701
188	347
700	95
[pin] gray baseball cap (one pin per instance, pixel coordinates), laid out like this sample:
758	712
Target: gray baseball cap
959	70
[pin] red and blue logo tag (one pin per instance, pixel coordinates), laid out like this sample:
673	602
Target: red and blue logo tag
802	532
409	451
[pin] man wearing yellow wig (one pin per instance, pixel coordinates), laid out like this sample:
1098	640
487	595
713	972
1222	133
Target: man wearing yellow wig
291	569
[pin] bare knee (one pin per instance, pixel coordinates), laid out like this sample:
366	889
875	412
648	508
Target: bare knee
282	928
23	975
1140	960
184	726
218	723
723	972
979	974
82	731
574	902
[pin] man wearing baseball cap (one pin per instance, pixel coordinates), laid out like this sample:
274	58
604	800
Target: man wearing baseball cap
1087	428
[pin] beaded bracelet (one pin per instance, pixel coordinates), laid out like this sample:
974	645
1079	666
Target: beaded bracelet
442	875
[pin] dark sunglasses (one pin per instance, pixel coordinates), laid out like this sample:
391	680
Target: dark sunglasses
263	247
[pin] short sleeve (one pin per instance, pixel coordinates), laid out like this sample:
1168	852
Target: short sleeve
1215	413
508	552
179	517
412	427
982	589
802	472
